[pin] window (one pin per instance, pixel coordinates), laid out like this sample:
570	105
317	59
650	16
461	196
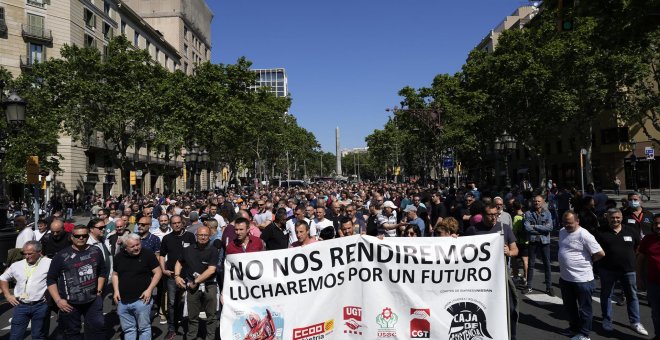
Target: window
35	25
185	68
106	8
614	135
185	50
37	3
123	28
136	39
185	33
106	52
148	46
90	19
90	41
35	53
167	61
2	13
157	54
107	31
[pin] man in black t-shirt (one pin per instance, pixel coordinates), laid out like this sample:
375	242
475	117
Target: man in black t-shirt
489	225
620	244
195	272
171	248
136	272
275	234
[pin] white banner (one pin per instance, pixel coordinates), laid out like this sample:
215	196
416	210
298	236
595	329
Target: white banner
360	287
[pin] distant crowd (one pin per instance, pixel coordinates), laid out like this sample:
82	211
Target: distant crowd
154	254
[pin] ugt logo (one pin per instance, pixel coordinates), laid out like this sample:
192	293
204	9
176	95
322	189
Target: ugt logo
420	327
468	322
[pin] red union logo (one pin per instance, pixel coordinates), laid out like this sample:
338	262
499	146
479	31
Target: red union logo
352	312
304	332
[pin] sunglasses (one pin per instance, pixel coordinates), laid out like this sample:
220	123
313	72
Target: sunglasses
81	236
100	228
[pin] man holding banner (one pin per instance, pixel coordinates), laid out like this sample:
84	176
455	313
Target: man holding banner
489	225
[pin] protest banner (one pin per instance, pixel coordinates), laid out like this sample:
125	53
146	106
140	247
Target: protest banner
360	287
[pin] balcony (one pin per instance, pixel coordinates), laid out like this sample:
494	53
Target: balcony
27	62
37	33
37	3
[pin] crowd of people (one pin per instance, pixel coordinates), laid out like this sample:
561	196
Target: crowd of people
154	254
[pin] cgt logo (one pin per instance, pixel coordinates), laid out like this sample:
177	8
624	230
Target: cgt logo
316	331
353	320
420	327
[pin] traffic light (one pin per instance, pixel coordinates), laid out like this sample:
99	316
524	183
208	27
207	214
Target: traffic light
565	10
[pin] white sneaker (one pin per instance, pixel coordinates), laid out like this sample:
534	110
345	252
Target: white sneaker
639	328
580	337
607	326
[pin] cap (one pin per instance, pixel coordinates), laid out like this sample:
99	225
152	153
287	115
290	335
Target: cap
389	204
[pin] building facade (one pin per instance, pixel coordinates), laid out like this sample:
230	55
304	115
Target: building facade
186	24
617	150
274	79
33	31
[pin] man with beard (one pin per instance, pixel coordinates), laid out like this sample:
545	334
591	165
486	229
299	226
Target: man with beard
148	240
489	225
80	266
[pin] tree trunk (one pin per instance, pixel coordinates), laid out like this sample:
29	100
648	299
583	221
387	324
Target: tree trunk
588	169
542	173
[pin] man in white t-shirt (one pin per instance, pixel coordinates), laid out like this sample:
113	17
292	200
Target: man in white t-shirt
320	222
299	215
577	251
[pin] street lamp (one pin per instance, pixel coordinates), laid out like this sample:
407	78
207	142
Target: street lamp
633	161
14	109
191	160
506	144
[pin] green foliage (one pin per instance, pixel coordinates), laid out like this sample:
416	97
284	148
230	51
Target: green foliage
129	99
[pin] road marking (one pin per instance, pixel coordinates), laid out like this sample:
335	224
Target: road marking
9	327
544	298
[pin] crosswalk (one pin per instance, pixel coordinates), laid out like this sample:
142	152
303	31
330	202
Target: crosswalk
547	299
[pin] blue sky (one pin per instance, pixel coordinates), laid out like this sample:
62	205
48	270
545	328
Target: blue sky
346	60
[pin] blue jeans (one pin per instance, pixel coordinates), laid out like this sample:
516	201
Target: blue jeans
576	297
94	320
629	285
135	319
23	314
534	247
653	292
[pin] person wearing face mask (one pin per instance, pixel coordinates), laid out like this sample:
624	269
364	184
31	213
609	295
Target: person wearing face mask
635	217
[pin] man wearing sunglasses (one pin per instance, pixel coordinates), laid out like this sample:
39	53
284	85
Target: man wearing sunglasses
75	280
96	228
28	299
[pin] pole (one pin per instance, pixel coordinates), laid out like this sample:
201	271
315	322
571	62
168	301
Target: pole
582	170
649	195
35	198
358	167
288	168
305	166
